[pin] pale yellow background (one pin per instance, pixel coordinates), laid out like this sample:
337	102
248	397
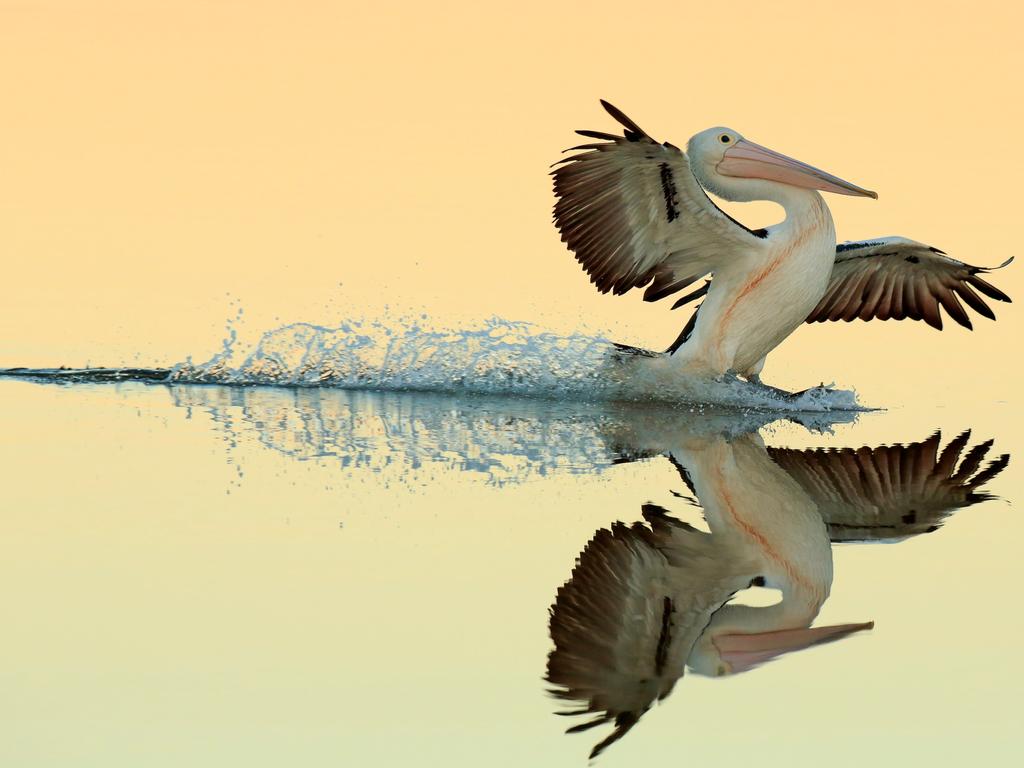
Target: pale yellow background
164	163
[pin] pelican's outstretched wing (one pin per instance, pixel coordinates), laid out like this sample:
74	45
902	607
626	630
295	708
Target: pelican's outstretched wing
626	621
892	277
632	211
891	492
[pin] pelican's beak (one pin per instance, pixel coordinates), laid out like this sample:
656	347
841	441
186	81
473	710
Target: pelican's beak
743	652
748	160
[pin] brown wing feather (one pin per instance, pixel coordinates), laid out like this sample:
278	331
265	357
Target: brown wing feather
625	623
605	624
891	492
633	214
897	278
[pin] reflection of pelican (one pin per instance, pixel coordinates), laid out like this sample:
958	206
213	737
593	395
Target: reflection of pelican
647	600
891	492
505	439
635	213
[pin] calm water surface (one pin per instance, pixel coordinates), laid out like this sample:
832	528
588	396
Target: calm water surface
213	576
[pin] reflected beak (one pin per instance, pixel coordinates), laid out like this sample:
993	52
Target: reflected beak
743	652
748	160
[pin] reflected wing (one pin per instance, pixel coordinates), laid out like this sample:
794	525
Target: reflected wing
892	277
631	210
626	621
891	492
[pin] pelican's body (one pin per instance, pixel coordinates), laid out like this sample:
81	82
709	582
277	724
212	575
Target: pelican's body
636	213
762	516
764	295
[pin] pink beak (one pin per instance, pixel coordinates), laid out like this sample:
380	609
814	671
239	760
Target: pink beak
743	652
748	160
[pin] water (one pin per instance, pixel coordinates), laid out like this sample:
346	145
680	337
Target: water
201	574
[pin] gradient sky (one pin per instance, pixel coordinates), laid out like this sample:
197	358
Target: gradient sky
165	163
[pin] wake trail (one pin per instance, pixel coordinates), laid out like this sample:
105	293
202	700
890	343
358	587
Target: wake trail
499	357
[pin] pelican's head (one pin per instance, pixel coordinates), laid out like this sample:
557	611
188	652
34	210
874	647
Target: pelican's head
737	169
729	648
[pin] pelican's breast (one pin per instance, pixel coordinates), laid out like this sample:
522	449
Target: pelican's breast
750	309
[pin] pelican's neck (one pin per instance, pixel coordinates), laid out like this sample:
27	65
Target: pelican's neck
798	608
796	611
805	208
762	514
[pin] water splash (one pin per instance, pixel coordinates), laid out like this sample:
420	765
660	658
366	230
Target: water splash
501	357
498	357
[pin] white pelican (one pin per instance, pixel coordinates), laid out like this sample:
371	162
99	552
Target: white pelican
635	213
646	601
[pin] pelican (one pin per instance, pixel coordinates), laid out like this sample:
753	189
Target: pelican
636	214
648	600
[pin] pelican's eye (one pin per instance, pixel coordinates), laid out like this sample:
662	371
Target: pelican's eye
725	138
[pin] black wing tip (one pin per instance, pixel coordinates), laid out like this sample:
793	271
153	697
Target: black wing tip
633	131
597	135
617	113
685	334
628	349
702	291
624	722
987	288
581	727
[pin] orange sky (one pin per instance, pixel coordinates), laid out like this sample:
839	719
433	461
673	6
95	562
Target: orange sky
165	162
